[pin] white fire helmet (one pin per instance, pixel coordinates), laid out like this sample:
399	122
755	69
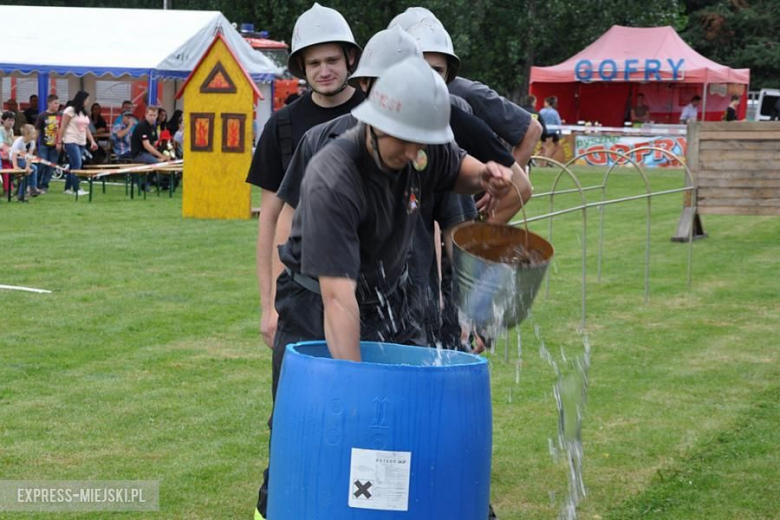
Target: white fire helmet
316	26
384	49
431	36
409	102
411	16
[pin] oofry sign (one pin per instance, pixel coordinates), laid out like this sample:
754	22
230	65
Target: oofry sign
630	70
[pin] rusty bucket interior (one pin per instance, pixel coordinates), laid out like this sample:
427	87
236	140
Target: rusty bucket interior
498	271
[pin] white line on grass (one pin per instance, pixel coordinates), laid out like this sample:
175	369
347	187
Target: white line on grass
26	289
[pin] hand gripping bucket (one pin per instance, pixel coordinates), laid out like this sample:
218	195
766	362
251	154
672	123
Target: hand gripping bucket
496	285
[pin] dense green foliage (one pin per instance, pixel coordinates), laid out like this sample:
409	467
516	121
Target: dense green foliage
500	41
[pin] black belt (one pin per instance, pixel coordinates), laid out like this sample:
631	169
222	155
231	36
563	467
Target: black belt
313	285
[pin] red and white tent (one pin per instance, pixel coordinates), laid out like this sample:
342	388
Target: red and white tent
601	81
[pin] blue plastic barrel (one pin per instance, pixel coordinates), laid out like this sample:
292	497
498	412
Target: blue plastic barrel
407	434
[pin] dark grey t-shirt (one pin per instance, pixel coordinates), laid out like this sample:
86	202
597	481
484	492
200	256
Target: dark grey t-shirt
354	220
312	142
508	121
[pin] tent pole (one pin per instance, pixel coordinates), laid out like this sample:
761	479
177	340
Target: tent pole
151	98
43	90
704	104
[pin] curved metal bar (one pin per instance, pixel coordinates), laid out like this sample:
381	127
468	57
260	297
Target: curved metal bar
565	168
627	156
694	197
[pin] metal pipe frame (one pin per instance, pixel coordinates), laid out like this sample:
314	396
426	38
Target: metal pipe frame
622	158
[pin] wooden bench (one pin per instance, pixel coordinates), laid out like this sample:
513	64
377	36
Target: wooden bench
13	173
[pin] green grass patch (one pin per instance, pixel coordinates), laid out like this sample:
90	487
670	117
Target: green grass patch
146	363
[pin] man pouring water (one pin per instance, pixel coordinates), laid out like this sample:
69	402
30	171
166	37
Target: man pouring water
346	277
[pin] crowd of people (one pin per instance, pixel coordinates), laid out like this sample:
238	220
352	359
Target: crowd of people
38	142
363	178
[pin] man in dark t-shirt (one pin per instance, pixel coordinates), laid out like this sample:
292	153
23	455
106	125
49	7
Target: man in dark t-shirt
352	233
324	52
142	143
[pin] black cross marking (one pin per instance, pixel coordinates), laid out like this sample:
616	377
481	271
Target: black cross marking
362	489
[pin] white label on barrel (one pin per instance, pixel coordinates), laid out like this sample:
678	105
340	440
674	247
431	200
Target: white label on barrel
379	479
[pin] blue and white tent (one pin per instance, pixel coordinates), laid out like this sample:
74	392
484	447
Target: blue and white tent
138	42
156	44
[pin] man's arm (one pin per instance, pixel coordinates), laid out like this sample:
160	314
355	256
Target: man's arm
523	150
271	207
152	150
126	130
283	230
490	177
342	317
512	203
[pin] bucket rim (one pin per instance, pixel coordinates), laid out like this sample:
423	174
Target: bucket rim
462	249
473	360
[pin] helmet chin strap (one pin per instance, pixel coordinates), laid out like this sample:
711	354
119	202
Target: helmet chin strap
334	93
375	152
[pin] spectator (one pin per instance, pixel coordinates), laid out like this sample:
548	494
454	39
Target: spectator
21	150
143	140
162	121
97	125
178	140
640	113
19	119
32	111
127	106
731	111
48	126
121	134
530	107
295	95
175	121
73	136
551	117
690	111
99	129
7	121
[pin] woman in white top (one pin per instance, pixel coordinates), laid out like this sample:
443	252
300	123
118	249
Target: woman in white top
73	135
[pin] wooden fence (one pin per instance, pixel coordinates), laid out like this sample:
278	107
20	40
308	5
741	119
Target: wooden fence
736	166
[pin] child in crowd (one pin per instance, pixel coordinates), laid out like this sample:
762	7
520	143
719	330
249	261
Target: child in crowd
47	127
7	121
21	153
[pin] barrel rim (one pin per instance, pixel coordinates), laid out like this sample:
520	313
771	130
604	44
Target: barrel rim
476	361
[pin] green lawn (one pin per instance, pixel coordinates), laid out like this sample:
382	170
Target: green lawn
145	362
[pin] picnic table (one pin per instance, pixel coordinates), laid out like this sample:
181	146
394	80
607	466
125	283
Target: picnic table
101	171
15	173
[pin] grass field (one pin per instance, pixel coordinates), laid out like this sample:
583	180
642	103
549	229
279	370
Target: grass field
145	362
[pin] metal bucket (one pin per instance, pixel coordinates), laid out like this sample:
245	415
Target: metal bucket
494	289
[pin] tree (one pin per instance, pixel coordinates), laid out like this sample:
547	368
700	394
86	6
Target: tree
740	34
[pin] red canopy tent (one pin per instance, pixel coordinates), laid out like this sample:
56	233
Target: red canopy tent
601	82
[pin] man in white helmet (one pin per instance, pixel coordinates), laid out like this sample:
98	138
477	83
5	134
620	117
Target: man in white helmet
324	52
510	122
447	210
360	201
